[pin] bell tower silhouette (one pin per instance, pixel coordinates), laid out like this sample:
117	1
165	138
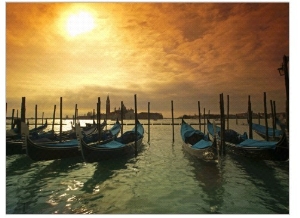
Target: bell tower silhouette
107	105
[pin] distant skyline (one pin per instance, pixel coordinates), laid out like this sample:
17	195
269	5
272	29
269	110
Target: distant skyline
162	52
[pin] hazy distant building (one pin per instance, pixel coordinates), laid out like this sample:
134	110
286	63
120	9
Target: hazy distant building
128	114
154	116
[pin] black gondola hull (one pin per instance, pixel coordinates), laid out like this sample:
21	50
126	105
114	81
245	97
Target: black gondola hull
271	138
209	154
279	153
15	147
96	154
42	152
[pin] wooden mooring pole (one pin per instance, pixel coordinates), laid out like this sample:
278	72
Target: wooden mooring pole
122	111
221	123
135	129
12	118
23	109
98	126
100	129
222	118
148	122
99	119
266	116
199	115
273	118
53	119
286	75
93	116
227	111
172	111
35	118
250	118
204	119
75	115
60	119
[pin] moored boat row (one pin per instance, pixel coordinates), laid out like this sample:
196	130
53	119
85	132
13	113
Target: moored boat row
95	145
240	144
205	147
197	144
112	147
91	145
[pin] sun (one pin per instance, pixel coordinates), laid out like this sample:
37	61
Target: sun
79	23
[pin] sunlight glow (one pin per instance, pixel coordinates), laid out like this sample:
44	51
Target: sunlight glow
79	23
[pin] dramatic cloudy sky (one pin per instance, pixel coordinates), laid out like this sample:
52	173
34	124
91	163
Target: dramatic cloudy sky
185	52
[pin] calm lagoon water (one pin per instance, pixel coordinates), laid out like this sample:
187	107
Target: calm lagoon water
161	180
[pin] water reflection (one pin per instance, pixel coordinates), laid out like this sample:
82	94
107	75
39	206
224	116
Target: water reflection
17	163
103	171
36	182
265	176
209	175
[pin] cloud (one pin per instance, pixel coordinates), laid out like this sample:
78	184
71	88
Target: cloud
160	51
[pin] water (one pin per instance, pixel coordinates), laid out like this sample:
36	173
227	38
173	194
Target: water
161	180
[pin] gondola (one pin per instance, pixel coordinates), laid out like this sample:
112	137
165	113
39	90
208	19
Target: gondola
88	130
197	144
15	132
122	147
45	149
14	142
89	126
240	144
261	131
15	145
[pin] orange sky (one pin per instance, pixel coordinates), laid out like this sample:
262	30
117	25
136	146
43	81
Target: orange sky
185	52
